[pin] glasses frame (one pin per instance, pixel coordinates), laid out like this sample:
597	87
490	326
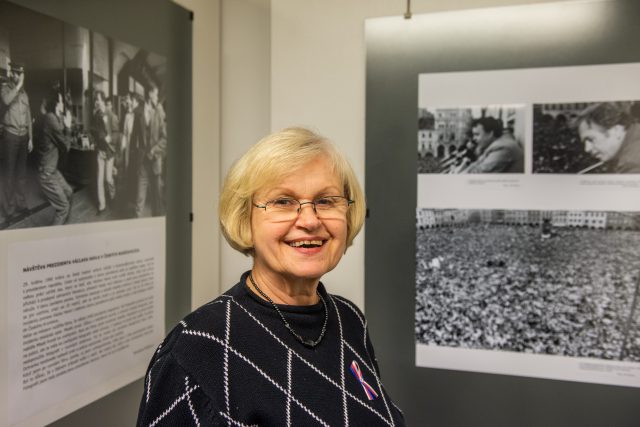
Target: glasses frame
312	203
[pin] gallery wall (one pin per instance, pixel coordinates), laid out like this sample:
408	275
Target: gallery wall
206	148
281	63
318	80
245	100
313	74
232	110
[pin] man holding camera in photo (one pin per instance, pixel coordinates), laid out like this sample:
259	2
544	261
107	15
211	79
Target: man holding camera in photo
16	141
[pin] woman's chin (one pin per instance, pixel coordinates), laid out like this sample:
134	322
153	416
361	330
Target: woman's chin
308	272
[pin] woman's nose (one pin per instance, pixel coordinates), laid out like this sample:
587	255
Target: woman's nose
307	218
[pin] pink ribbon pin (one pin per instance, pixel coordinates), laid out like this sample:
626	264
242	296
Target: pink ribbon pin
369	391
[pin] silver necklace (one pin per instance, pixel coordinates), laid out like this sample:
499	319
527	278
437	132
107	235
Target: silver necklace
305	341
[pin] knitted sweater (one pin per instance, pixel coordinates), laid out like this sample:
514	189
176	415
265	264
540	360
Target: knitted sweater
233	362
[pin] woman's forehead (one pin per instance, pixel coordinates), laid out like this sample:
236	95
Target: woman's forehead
284	190
314	184
297	184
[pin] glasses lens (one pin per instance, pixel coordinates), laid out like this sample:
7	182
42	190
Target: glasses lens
331	207
283	208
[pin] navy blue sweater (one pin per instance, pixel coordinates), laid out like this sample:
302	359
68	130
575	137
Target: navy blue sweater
233	362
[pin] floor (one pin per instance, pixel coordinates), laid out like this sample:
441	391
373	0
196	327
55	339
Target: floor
83	210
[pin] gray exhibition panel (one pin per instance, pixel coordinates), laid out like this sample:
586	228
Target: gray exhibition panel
543	35
164	28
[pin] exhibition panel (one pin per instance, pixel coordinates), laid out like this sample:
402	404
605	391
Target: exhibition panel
95	205
500	239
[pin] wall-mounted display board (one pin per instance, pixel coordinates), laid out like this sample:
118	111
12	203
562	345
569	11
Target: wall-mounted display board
503	162
529	263
95	199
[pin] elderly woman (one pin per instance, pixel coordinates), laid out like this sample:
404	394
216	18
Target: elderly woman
277	349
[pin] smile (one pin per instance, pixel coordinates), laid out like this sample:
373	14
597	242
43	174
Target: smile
307	243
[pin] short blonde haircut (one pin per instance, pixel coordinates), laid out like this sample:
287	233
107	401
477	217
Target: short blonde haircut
269	162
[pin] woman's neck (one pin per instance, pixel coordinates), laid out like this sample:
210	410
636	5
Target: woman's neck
283	290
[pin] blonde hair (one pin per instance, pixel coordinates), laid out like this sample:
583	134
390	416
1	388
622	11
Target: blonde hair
268	162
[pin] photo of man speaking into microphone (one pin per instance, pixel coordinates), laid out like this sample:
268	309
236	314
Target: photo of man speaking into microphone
587	138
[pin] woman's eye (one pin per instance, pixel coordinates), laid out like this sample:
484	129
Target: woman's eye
324	202
283	202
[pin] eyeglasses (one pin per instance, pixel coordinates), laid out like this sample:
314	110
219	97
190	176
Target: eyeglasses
286	208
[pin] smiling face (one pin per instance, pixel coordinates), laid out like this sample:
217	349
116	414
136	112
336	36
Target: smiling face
601	143
279	255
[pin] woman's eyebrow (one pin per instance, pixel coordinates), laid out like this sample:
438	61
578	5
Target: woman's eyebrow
289	192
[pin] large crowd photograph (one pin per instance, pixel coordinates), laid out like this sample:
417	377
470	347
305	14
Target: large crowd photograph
563	283
587	138
83	132
471	140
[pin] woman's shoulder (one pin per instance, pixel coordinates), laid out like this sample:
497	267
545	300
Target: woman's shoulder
206	316
207	320
349	310
192	351
175	373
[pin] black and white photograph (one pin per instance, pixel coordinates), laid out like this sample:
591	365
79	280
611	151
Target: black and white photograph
562	283
83	132
471	140
587	138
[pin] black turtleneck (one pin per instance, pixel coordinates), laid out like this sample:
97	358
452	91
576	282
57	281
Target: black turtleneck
233	362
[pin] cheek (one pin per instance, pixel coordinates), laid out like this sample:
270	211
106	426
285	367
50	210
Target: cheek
265	233
602	145
339	232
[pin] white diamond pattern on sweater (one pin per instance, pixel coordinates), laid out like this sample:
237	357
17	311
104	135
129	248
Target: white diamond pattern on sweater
237	361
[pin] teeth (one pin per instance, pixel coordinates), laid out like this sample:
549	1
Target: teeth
306	243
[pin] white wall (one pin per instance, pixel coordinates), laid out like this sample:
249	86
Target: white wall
246	99
261	65
231	111
206	148
318	79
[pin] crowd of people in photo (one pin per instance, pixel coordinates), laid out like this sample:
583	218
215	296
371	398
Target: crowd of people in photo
130	150
428	163
503	287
